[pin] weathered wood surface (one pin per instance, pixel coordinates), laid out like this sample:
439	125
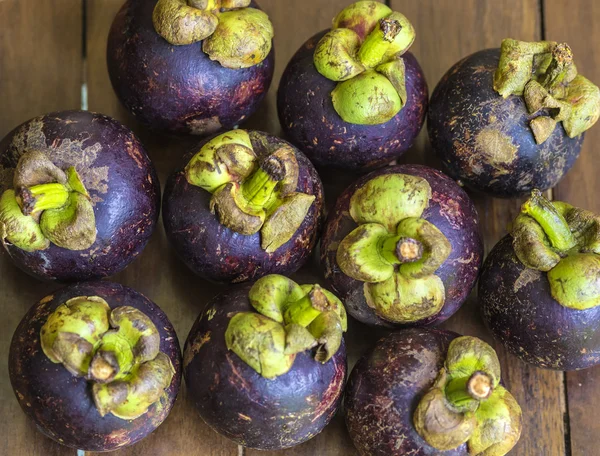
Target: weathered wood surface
41	69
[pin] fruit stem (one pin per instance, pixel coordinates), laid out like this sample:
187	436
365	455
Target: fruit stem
258	189
378	42
304	311
560	67
479	386
42	197
400	249
552	222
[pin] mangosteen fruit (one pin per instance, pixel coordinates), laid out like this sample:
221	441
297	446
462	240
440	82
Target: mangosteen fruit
191	66
352	97
96	366
79	197
402	247
540	289
266	363
507	121
427	392
246	204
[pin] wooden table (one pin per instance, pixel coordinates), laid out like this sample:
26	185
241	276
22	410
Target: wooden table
50	49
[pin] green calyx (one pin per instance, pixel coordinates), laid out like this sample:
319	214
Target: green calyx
289	319
564	241
251	194
117	350
467	404
47	205
362	52
546	76
394	251
233	33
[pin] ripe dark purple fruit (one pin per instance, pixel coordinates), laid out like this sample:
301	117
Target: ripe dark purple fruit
402	247
412	392
322	98
247	204
503	131
539	289
79	196
183	77
96	366
266	364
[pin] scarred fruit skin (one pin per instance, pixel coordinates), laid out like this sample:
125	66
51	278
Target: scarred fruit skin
310	121
518	308
450	210
217	253
242	405
60	404
386	386
178	89
485	140
119	176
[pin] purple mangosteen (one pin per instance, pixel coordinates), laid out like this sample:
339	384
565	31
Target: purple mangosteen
96	366
191	67
402	247
507	121
427	392
353	97
246	204
540	289
79	196
266	363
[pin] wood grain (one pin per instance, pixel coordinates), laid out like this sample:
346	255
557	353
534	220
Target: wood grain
40	71
446	32
577	25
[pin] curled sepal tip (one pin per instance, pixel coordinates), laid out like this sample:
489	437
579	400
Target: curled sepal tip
243	38
291	319
390	198
361	17
131	397
335	55
441	426
180	24
226	158
17	229
73	331
284	220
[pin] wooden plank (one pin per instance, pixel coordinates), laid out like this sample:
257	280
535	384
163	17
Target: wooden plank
446	32
575	23
40	71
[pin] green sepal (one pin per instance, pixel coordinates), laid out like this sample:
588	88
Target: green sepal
298	339
260	342
131	397
499	425
335	55
271	294
390	198
531	245
226	158
235	212
285	220
401	299
74	181
361	17
367	99
574	281
395	71
73	226
584	97
242	39
20	230
181	24
358	254
440	425
327	330
73	331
